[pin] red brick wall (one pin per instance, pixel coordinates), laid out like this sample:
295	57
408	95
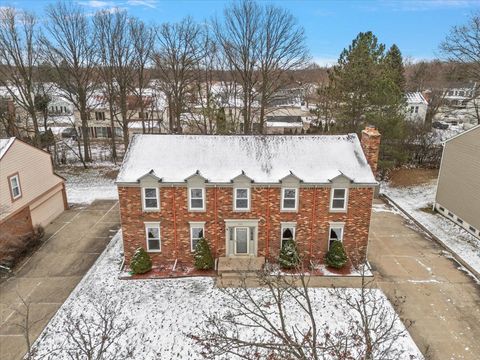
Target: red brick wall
371	146
18	225
310	235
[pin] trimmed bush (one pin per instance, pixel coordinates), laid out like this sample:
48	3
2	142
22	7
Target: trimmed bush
289	257
336	255
141	262
203	256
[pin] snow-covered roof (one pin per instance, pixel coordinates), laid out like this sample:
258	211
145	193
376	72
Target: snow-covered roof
415	98
264	159
5	145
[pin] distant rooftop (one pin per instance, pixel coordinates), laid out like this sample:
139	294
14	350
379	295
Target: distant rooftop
4	145
264	159
415	98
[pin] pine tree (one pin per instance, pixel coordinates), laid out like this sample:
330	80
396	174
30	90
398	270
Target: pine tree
203	256
289	257
368	86
141	262
336	256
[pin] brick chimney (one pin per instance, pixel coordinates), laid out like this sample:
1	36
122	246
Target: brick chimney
371	145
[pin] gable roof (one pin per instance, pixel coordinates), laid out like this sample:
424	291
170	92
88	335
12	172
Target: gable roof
264	159
476	127
415	98
5	145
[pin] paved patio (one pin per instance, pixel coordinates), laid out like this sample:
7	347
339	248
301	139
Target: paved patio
46	279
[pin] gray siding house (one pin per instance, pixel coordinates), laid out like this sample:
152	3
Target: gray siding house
458	189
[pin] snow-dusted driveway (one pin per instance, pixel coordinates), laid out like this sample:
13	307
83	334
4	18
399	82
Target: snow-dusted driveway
46	279
441	299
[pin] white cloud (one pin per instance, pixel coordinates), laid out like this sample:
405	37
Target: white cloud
97	3
148	3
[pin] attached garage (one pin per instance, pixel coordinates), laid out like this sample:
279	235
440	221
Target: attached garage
48	208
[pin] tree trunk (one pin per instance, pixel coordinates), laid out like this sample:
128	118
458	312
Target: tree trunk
112	126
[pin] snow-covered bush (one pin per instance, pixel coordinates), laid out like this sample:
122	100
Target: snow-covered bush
141	262
289	257
203	256
336	255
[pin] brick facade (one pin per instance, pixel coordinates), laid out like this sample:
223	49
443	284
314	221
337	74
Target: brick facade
312	221
17	226
371	146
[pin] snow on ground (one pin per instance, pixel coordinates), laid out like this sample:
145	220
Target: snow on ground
165	312
415	198
86	185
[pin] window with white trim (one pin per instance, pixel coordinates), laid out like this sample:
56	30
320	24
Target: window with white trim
15	187
152	231
287	233
150	199
241	198
335	233
339	199
197	231
197	199
289	199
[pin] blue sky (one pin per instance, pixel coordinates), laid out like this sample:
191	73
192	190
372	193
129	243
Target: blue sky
416	26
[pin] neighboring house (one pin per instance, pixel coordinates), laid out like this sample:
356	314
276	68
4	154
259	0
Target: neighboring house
416	107
247	195
284	125
459	96
99	120
458	189
31	193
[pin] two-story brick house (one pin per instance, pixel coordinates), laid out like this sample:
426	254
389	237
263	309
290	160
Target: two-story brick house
247	195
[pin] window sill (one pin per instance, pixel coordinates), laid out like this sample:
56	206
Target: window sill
151	210
154	251
196	210
338	210
241	210
289	210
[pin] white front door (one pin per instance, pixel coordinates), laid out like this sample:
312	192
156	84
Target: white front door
241	240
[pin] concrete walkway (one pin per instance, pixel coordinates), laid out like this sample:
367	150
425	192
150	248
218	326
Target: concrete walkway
443	301
46	279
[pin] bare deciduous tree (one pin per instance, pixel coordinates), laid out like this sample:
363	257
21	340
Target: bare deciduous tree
264	323
462	45
177	60
19	56
71	49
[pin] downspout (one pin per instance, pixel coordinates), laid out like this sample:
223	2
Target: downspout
313	221
174	225
216	220
267	252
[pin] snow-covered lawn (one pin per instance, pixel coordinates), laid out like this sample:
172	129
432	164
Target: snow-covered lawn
165	312
86	185
415	198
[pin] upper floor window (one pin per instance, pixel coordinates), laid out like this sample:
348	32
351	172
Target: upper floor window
150	199
242	198
289	199
197	230
99	115
197	199
15	189
287	233
335	233
152	230
339	199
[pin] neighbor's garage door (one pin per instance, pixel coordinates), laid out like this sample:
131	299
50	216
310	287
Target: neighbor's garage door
48	210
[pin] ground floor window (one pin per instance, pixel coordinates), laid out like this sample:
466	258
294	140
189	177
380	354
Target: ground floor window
335	233
287	233
197	231
152	231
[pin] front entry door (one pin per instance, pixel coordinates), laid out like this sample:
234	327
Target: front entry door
241	240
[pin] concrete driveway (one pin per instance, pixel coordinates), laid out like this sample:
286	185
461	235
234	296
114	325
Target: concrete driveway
443	301
46	279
